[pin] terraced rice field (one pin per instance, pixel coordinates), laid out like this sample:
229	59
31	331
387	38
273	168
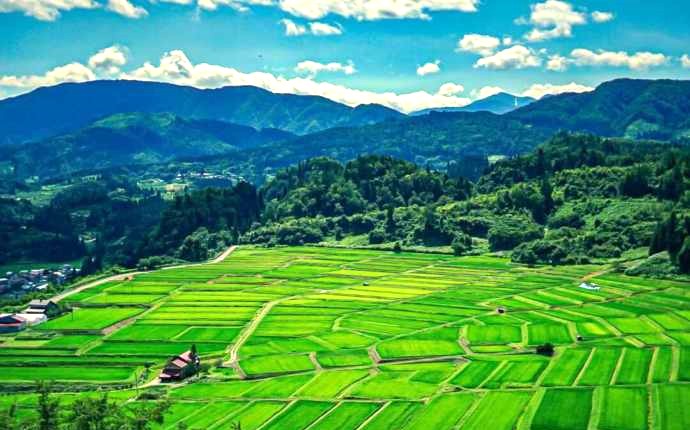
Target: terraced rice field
316	338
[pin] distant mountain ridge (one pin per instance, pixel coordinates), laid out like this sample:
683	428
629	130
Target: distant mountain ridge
639	109
134	138
498	103
64	108
632	108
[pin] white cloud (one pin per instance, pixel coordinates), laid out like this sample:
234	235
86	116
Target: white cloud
538	91
109	60
313	68
515	57
315	28
323	29
45	10
429	68
557	63
636	61
371	10
553	19
602	17
478	44
127	9
239	5
362	10
487	91
73	72
685	61
450	89
175	67
292	28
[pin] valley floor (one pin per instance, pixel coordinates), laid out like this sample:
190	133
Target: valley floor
318	338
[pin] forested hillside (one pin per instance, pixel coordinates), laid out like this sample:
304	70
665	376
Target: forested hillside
436	139
131	139
637	109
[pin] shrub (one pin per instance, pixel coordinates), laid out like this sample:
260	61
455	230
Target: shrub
546	349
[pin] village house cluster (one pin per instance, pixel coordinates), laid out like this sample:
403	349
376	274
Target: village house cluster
26	281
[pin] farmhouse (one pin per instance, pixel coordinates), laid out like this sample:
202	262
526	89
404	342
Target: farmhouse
11	323
181	366
590	286
45	307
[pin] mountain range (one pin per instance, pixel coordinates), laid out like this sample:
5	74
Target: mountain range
498	103
162	122
65	108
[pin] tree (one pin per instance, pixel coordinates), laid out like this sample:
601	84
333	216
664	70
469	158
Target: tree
8	418
462	243
48	409
547	198
546	349
98	413
674	238
635	183
684	256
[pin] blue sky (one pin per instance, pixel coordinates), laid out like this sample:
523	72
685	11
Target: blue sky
406	54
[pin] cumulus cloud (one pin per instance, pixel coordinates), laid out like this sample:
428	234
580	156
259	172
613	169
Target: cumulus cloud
538	91
292	28
371	10
315	28
175	67
487	91
479	44
450	89
313	68
553	19
557	63
601	17
109	60
515	57
45	10
636	61
73	72
127	9
685	61
323	29
429	68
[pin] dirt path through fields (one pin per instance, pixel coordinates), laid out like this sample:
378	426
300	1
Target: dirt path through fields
125	276
245	334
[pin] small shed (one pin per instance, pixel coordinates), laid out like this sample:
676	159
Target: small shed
590	286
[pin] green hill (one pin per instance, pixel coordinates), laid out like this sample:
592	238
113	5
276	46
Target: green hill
134	138
652	109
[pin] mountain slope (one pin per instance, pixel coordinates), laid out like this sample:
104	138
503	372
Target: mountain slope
499	104
65	108
125	139
656	109
435	138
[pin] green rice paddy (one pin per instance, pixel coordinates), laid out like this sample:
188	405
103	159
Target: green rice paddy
318	338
